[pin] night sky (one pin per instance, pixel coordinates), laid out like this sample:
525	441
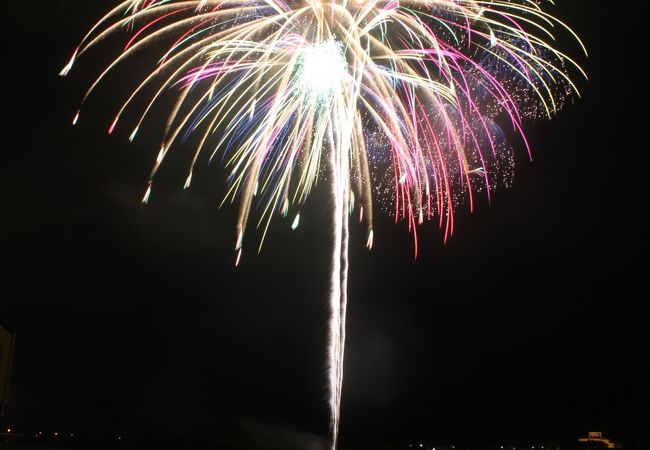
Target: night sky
131	320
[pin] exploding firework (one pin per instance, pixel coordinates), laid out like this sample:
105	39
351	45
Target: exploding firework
398	97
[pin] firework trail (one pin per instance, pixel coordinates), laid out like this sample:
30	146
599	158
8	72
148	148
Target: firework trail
397	97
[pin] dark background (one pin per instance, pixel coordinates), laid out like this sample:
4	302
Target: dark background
132	321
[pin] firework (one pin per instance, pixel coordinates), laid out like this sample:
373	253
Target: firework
388	96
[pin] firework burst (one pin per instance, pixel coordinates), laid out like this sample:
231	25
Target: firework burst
293	92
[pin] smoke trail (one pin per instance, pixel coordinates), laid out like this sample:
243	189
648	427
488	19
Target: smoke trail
340	141
335	337
343	308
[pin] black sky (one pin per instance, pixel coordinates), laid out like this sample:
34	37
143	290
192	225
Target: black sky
132	320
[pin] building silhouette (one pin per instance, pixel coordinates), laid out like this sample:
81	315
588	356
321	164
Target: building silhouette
7	339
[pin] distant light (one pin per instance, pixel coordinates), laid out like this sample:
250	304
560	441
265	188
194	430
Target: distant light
8	430
56	433
119	438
